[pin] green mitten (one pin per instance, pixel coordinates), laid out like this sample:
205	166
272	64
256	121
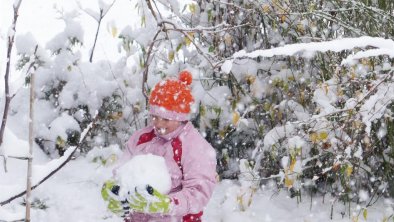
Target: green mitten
149	201
109	193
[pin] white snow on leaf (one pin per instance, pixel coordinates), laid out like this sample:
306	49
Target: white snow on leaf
227	65
60	125
277	133
296	108
375	106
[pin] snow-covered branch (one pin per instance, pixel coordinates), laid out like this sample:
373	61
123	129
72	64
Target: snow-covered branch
383	47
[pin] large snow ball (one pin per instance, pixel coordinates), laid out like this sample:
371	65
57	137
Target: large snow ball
142	170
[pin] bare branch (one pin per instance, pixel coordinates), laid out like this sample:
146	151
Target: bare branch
146	64
151	9
102	15
8	97
6	76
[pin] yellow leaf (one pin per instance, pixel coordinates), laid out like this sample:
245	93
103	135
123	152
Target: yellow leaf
189	40
202	110
323	135
114	31
241	202
312	7
365	214
116	115
325	88
282	18
171	56
349	170
228	39
300	28
353	73
313	137
222	133
236	117
60	141
250	79
288	182
266	8
112	159
266	106
292	164
192	8
143	21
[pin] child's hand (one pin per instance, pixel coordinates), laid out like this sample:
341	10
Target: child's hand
116	204
149	200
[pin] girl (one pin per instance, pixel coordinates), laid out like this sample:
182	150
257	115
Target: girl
190	159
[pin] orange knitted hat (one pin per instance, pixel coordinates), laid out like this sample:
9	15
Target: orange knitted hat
171	98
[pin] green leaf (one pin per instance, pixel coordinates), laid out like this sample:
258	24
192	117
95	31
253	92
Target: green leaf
365	214
211	49
179	47
210	16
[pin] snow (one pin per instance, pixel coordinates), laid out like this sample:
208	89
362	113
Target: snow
59	193
25	43
13	146
144	170
73	193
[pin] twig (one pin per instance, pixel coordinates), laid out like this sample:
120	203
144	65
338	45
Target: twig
102	15
12	220
147	62
191	40
15	157
151	9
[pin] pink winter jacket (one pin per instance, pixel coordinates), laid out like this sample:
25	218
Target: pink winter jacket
191	191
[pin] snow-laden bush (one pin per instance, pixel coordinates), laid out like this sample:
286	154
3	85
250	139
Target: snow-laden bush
299	92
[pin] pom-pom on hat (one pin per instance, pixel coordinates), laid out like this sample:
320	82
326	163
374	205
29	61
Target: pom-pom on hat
171	98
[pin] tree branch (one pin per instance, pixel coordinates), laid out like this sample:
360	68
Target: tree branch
11	38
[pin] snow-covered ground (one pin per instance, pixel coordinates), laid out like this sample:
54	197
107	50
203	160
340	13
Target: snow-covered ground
73	194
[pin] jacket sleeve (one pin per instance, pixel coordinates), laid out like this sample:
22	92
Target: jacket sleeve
199	178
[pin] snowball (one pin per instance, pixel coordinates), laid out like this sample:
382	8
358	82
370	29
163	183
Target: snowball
142	170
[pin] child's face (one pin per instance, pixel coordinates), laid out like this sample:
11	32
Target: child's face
164	126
